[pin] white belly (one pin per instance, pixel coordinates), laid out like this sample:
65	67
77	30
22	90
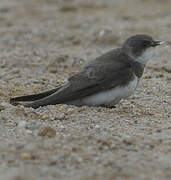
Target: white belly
112	96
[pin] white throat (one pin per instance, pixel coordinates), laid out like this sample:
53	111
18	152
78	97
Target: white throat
145	56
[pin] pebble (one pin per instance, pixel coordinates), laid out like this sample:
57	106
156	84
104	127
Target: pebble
26	156
47	131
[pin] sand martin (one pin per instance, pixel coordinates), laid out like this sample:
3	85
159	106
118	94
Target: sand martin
105	80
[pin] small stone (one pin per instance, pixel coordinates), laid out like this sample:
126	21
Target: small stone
159	75
52	69
47	131
26	156
167	69
11	161
68	8
2	108
136	121
158	130
28	131
129	140
53	163
45	117
76	42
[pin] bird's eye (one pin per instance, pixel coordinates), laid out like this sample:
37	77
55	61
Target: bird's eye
146	43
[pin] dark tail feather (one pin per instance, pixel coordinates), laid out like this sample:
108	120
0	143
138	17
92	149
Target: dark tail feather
48	100
34	97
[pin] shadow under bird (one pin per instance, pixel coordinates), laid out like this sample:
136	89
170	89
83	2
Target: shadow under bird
104	81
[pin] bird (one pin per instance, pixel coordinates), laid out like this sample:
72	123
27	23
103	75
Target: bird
105	80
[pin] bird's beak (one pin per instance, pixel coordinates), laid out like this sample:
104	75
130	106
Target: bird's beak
157	43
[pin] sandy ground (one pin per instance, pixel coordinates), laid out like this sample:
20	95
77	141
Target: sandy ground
42	43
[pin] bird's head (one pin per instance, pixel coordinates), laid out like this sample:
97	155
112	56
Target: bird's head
140	47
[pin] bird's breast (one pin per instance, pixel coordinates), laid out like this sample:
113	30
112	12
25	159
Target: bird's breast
112	95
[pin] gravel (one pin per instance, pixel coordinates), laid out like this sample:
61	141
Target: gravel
42	43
